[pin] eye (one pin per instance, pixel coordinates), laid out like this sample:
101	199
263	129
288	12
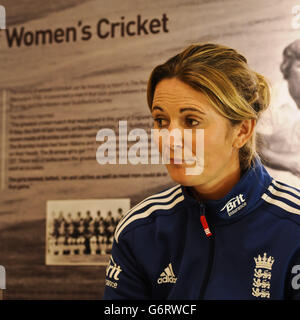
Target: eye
161	122
191	122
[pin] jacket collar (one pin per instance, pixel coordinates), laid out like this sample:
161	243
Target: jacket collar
240	200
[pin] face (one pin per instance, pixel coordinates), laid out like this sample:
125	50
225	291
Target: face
176	105
294	80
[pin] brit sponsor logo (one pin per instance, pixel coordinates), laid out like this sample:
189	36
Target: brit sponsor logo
112	273
235	204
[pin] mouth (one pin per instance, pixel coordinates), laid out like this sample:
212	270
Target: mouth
181	161
178	159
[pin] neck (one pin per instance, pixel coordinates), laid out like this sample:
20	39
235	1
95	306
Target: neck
218	189
297	102
295	98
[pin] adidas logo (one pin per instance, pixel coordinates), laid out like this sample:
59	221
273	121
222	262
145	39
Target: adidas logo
167	276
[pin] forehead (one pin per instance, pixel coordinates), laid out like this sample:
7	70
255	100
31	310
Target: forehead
171	91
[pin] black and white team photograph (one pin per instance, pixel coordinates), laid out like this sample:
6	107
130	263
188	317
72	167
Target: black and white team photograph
80	232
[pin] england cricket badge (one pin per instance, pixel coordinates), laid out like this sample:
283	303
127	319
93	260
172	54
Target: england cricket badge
262	276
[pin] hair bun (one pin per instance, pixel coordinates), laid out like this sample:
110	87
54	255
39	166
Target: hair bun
263	92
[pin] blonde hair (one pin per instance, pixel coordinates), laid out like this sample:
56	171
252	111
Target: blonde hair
223	75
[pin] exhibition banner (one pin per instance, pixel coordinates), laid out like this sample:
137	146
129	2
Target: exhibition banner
72	69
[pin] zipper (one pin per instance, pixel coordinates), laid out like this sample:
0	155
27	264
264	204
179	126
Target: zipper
211	243
204	221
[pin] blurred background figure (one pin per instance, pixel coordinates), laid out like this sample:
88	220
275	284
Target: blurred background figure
87	221
52	233
97	221
61	233
92	240
109	224
81	239
119	217
279	128
102	237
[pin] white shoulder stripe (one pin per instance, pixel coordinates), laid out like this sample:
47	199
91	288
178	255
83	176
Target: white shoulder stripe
147	213
145	202
280	204
284	195
283	187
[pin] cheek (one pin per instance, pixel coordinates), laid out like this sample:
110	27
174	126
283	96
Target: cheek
216	145
295	77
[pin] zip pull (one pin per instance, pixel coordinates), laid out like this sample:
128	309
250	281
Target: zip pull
205	226
204	221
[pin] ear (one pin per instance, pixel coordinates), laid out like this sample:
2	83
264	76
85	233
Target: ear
243	132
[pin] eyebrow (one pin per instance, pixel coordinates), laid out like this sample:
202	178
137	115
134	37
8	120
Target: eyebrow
181	110
157	108
191	109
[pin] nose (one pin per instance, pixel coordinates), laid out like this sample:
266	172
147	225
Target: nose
172	138
176	140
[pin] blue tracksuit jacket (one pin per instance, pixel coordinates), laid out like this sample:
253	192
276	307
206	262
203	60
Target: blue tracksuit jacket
243	246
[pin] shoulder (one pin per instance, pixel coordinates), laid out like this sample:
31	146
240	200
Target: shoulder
283	200
281	112
164	202
281	97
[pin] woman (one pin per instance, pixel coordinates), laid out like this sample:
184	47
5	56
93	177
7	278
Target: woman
229	232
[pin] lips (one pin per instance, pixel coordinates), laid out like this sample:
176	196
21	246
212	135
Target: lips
182	161
168	159
178	159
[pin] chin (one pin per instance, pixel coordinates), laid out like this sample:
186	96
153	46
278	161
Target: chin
179	175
